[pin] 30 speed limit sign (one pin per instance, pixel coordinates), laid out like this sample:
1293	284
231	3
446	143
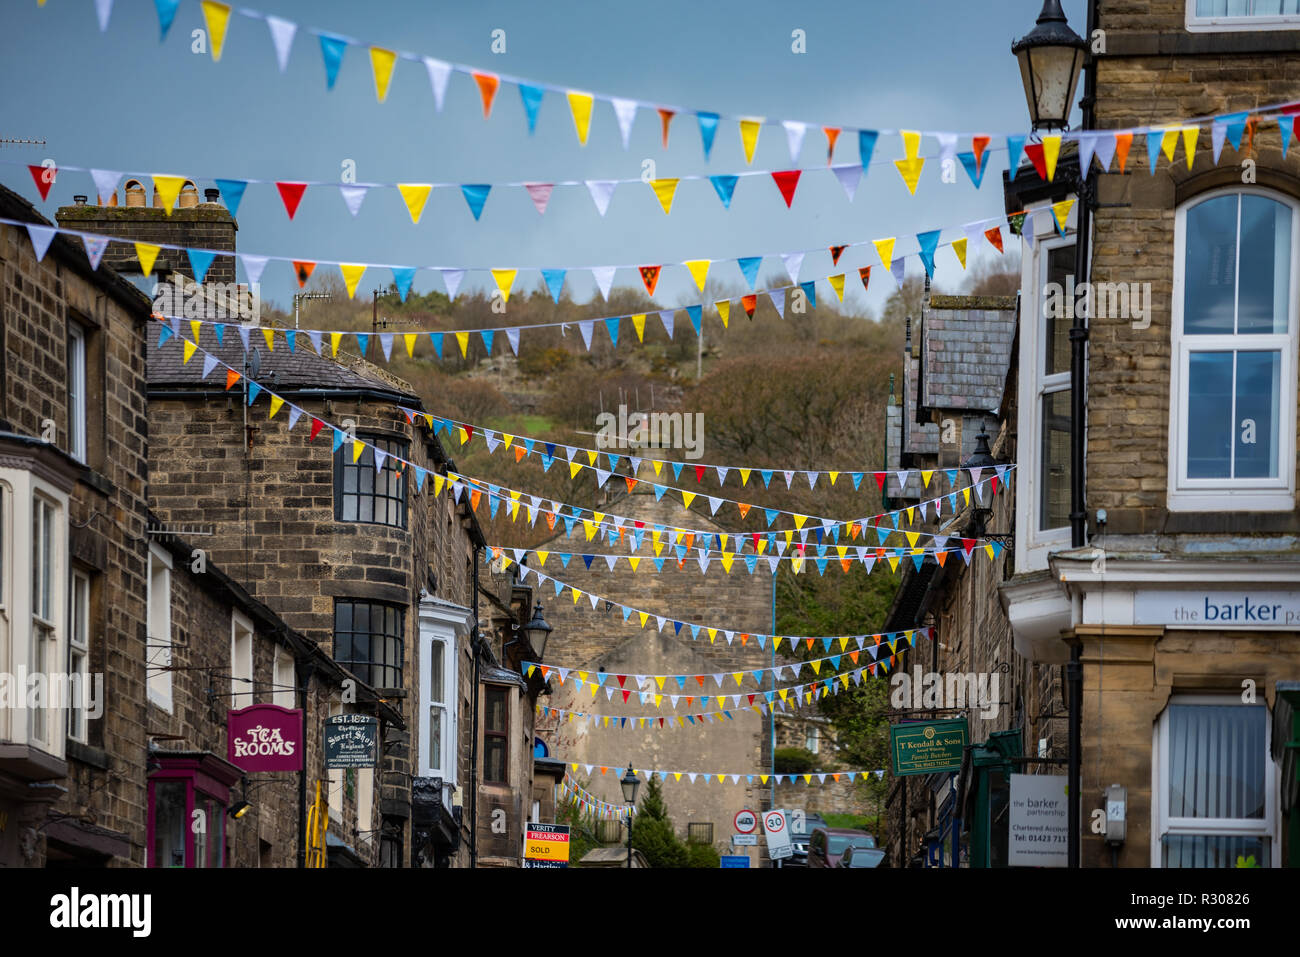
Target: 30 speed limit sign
746	822
778	835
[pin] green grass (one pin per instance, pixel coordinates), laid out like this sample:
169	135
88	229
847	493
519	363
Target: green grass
861	822
522	424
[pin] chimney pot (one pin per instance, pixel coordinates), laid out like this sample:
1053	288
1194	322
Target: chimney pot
79	200
211	195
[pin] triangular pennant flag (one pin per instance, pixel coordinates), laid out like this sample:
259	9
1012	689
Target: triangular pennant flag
959	247
332	48
708	127
200	260
580	107
625	110
786	181
972	166
699	270
352	274
665	120
303	270
1122	143
44	177
95	246
402	278
929	242
168	189
352	197
532	97
476	195
439	73
794	132
415	195
381	64
749	129
749	268
604	276
601	190
282	34
147	254
724	186
217	17
451	278
849	177
291	194
166	13
540	194
664	189
487	89
885	250
554	279
41	237
1051	152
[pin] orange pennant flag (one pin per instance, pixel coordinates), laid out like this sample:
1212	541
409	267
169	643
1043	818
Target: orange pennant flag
487	88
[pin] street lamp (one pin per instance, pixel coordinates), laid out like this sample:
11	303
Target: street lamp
300	296
630	783
538	630
1051	56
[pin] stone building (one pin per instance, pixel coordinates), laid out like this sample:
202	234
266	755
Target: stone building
600	641
1184	604
73	468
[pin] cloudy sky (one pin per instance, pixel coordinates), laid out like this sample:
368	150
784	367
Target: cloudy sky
122	100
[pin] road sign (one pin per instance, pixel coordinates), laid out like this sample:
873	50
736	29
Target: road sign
740	860
746	821
744	840
547	842
777	833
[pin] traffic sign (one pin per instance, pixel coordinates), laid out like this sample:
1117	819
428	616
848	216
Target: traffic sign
739	860
777	833
746	821
744	840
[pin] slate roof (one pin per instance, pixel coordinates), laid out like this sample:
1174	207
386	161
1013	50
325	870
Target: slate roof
966	351
282	370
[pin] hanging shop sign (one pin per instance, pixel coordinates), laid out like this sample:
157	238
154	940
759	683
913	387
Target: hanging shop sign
1039	831
351	741
264	737
546	845
924	747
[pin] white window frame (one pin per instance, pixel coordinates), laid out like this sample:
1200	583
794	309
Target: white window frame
812	739
285	697
79	654
76	360
241	660
158	630
1038	543
1161	821
1195	24
6	572
442	622
46	725
1235	495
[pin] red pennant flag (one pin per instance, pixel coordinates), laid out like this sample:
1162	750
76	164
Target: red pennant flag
291	193
650	276
993	484
316	425
469	432
967	544
626	695
978	144
666	117
303	271
832	134
44	176
749	303
622	680
864	273
836	253
786	181
1035	153
699	474
751	699
231	378
700	679
994	236
880	480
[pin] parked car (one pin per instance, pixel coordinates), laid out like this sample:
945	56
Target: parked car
828	843
799	840
856	856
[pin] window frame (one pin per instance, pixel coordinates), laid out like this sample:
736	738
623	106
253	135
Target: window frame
1231	494
45	727
397	448
243	684
282	696
1163	823
159	647
1034	384
1228	24
500	737
196	798
78	406
373	666
79	730
446	766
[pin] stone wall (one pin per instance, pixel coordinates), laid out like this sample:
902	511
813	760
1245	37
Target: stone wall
206	226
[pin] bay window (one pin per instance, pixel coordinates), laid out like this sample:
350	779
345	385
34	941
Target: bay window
369	641
189	796
1233	379
1214	784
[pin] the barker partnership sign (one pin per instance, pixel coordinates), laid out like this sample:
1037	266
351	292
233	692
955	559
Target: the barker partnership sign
351	741
264	737
1254	608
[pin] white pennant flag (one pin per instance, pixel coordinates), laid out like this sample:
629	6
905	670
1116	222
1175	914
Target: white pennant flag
778	301
105	183
95	246
209	363
352	196
1087	146
585	328
601	190
1104	149
794	132
1218	131
386	343
947	147
714	504
849	177
452	278
438	74
666	317
282	33
625	110
243	336
896	270
604	276
104	8
512	336
792	263
253	266
41	237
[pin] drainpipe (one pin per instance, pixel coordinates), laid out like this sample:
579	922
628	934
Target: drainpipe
1078	413
473	748
306	667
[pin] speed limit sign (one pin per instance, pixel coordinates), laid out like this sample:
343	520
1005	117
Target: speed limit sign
778	835
746	822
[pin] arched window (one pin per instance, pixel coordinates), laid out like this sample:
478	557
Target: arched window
1233	352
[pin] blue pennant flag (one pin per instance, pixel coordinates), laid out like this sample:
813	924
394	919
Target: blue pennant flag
1234	126
200	260
232	192
220	330
164	335
749	269
488	335
677	470
974	169
289	335
476	195
612	325
166	13
696	313
866	146
767	479
402	278
554	279
708	127
436	339
810	291
331	48
253	390
929	243
1153	147
532	97
659	491
1015	149
770	514
724	186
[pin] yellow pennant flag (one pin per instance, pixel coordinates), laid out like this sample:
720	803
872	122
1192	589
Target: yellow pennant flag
169	187
409	339
837	283
1189	143
217	17
1051	152
541	558
574	469
699	269
196	327
634	561
415	195
189	351
727	559
589	526
665	190
724	310
276	402
959	247
925	476
911	142
147	253
885	250
744	477
381	62
580	107
645	616
638	323
576	595
505	278
351	276
462	340
357	448
687	498
1061	212
1169	142
910	170
749	136
269	335
335	339
713	633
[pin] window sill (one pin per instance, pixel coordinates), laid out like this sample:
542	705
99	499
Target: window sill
1230	500
87	754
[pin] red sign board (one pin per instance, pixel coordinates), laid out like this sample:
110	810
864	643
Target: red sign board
264	737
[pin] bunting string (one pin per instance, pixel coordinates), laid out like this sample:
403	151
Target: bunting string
723	777
592	804
383	61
